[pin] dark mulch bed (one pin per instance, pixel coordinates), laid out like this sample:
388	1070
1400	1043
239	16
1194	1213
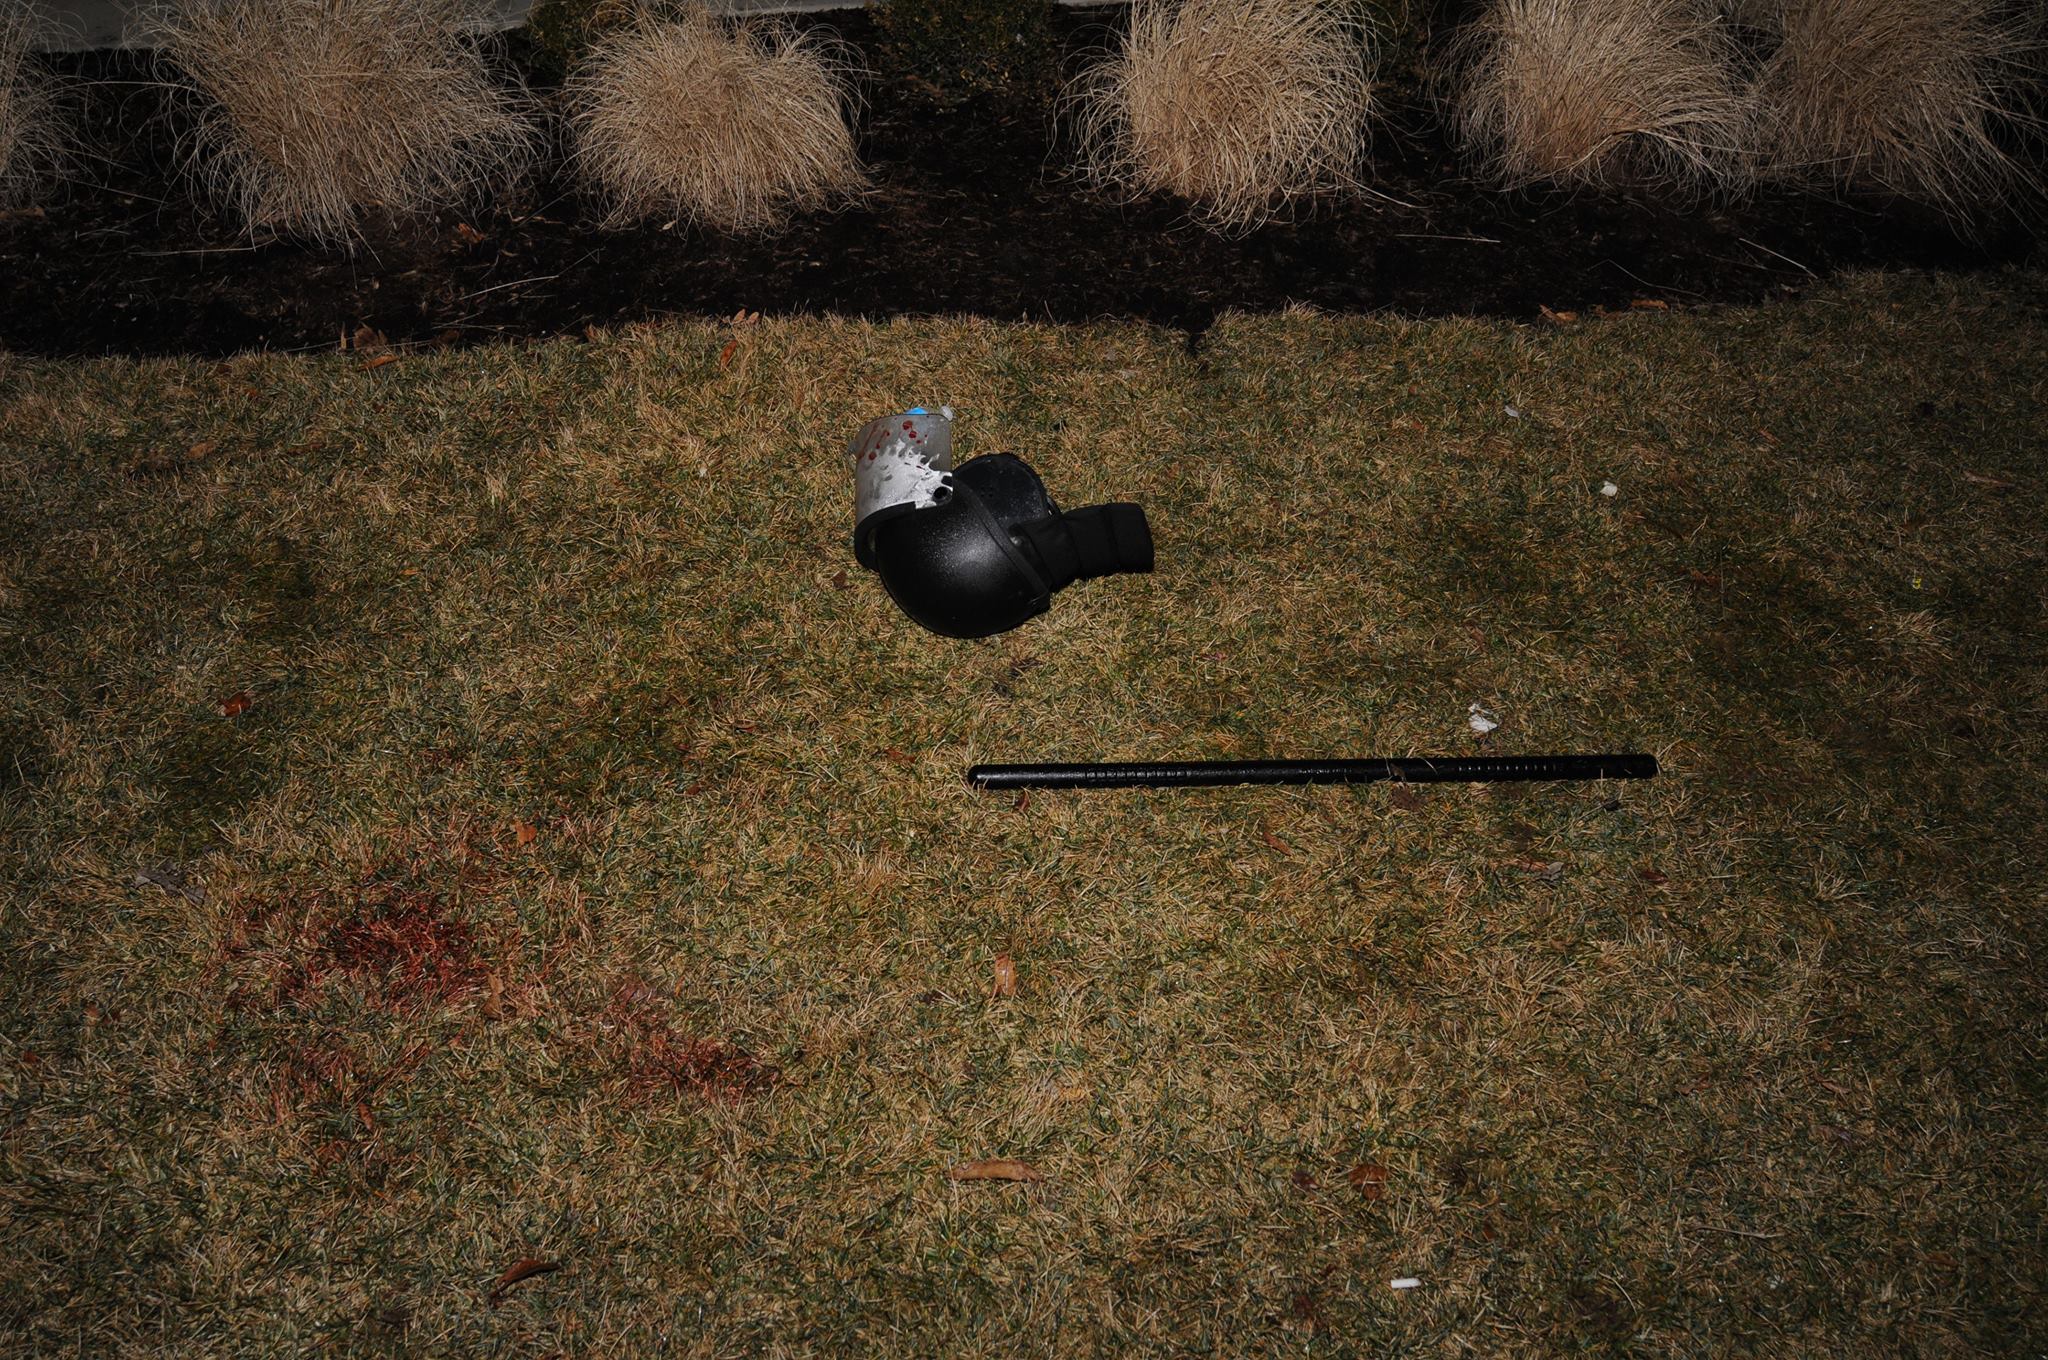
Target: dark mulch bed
972	214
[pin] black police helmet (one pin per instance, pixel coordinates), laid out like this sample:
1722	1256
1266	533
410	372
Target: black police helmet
991	549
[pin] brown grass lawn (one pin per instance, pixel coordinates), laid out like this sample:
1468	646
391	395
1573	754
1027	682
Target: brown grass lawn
554	847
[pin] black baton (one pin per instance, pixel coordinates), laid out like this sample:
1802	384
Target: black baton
1202	774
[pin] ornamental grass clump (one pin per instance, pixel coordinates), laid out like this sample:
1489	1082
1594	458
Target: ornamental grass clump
1927	99
33	146
1243	108
685	116
1600	92
311	113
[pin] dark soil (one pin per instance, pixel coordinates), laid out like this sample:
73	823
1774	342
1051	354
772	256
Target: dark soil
971	214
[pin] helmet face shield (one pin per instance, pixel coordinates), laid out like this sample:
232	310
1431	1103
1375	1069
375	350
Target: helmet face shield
900	463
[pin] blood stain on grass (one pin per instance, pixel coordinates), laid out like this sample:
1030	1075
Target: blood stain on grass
399	934
402	947
1302	1303
1599	1310
655	1059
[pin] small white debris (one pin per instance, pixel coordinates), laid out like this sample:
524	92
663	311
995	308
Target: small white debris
1405	1282
1514	412
1609	489
1483	719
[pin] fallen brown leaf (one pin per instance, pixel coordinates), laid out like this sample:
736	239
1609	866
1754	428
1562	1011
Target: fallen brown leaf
1650	305
1406	798
1006	975
172	878
725	355
898	757
994	1169
236	704
523	1269
379	362
1561	318
1369	1179
468	235
1654	877
525	833
1273	842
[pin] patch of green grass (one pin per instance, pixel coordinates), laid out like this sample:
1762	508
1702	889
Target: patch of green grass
589	877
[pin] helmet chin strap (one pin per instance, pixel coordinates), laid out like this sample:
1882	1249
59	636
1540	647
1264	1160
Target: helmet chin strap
1078	545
